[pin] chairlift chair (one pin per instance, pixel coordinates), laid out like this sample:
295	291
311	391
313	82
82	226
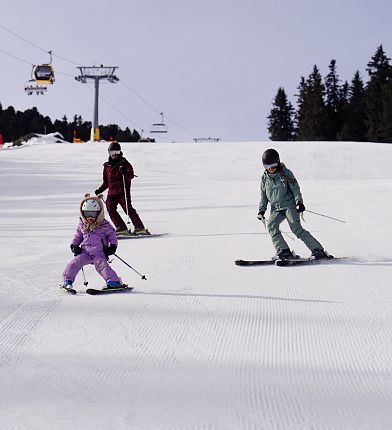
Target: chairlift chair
159	127
31	87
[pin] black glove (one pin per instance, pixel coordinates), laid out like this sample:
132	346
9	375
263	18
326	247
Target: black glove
76	250
260	215
109	250
300	207
121	170
97	192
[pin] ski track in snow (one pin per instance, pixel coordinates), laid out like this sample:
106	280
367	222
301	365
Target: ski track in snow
202	344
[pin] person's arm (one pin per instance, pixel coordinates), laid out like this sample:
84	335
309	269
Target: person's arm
76	241
112	241
126	169
105	183
263	198
294	186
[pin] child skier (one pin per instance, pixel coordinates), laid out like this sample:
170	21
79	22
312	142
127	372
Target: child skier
93	242
280	188
117	177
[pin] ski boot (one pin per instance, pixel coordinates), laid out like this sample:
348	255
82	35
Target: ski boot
141	232
284	254
320	254
67	285
122	231
115	285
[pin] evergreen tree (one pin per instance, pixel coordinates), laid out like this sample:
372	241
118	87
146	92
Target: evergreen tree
354	126
332	102
385	126
281	126
312	114
380	73
8	123
135	136
300	101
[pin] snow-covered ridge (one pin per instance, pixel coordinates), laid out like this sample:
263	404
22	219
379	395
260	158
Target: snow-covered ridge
36	139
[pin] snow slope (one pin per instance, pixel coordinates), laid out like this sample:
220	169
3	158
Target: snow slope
202	344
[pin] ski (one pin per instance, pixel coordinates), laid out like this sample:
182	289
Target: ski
140	236
96	292
305	261
68	290
254	262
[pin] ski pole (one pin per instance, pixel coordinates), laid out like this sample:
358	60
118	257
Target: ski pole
325	216
142	276
263	220
125	194
85	283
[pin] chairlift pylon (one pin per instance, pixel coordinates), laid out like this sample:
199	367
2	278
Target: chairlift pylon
159	127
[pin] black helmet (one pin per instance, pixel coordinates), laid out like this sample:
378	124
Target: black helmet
114	146
270	158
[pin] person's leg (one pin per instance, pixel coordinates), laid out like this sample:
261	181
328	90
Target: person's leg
74	266
103	268
111	206
133	215
274	220
295	226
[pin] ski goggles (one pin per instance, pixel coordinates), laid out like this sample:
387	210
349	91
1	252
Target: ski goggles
90	214
114	152
269	166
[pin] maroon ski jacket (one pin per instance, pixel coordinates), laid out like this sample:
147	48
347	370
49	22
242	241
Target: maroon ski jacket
113	179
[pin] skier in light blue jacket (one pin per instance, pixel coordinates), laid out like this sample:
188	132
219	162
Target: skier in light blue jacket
280	188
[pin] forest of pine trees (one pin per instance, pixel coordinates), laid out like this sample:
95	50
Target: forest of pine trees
328	109
15	124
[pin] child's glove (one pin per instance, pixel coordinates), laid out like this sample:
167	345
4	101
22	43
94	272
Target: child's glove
260	215
109	250
96	192
76	250
300	207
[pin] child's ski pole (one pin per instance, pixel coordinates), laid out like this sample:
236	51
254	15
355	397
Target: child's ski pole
142	276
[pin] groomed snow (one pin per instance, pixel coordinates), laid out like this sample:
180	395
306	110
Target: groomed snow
201	344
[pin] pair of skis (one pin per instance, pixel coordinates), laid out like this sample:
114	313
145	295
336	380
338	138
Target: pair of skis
286	262
95	292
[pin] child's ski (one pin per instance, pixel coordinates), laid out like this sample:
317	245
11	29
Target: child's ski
96	292
254	262
69	290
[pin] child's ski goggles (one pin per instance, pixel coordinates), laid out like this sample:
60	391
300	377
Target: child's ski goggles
114	152
90	214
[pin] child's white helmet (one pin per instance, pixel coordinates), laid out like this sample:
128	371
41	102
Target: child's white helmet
91	208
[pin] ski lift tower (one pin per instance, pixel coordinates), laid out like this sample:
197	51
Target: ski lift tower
96	74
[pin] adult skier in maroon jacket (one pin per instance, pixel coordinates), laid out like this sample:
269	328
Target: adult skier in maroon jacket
117	177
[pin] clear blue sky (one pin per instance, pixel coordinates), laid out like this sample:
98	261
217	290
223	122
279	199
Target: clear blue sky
213	67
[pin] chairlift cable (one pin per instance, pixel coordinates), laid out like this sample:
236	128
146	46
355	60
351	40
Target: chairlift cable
156	110
18	58
74	62
22	38
117	110
38	47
